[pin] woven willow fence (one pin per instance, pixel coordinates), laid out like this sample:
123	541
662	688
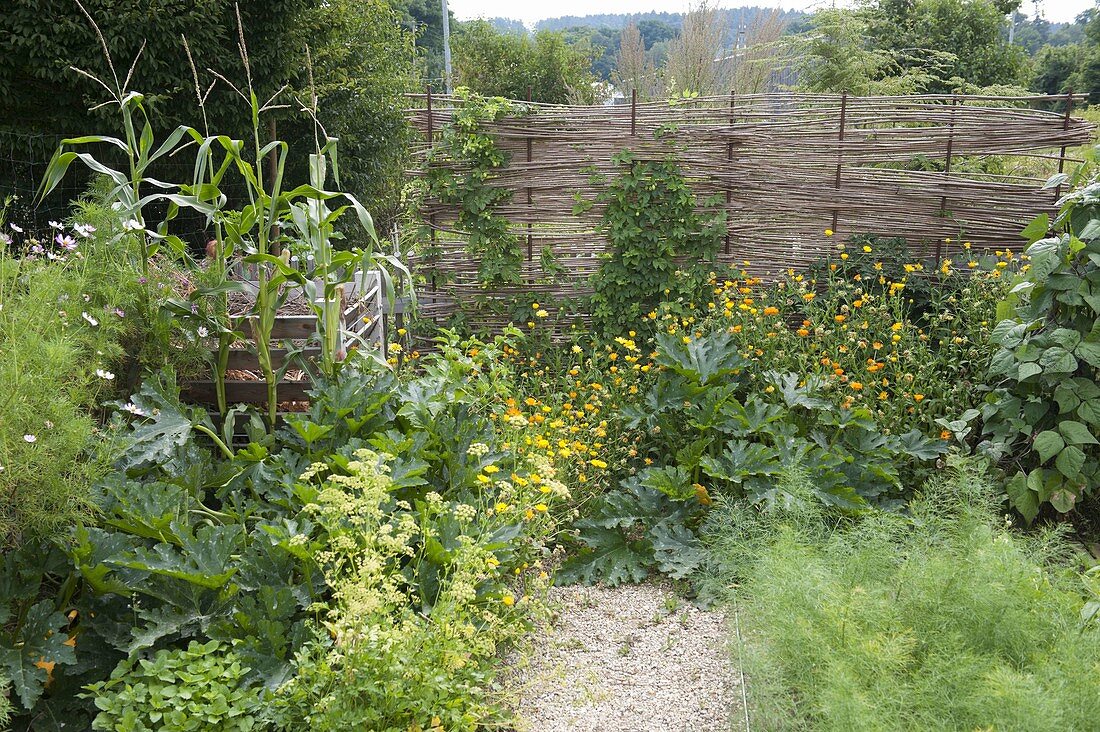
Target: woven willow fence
786	167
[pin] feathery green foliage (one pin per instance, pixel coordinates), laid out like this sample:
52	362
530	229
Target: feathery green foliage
941	619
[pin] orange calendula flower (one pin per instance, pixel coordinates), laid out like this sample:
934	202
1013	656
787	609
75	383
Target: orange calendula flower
856	386
771	311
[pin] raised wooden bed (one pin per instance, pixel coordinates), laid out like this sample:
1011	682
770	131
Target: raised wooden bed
360	317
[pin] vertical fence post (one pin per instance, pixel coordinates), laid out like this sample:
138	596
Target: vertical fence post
530	239
633	112
729	159
1062	154
946	173
840	154
431	136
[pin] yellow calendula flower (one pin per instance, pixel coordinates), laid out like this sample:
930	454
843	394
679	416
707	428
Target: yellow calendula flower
484	478
508	600
597	463
828	232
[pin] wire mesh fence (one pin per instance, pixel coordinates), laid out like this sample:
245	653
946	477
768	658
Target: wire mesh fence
24	158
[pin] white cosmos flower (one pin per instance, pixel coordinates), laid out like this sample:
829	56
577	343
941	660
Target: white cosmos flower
202	331
104	374
30	438
16	229
91	321
132	225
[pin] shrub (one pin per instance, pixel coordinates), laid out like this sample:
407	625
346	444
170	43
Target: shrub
652	227
380	663
1046	409
65	308
709	434
883	330
941	619
414	490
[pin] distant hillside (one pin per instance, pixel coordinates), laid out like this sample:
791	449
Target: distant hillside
509	25
618	21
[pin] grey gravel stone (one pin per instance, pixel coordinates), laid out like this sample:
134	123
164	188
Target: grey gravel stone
634	658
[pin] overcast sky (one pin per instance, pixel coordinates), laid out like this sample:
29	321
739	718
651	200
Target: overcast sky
529	12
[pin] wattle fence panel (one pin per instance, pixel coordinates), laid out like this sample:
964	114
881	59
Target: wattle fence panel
937	170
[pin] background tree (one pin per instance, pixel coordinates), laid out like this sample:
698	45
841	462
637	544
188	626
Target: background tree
699	61
363	62
634	69
967	37
424	18
910	46
497	64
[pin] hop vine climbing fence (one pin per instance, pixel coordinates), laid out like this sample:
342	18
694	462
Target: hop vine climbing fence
936	170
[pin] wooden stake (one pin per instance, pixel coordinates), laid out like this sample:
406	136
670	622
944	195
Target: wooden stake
633	112
1062	154
840	153
946	174
729	159
530	239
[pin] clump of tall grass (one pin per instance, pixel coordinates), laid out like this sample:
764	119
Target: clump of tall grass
942	618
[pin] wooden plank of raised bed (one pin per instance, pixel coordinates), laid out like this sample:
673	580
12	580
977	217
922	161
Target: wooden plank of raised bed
294	327
244	392
242	360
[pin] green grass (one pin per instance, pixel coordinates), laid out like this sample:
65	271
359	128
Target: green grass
944	619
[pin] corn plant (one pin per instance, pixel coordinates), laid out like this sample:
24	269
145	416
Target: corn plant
139	152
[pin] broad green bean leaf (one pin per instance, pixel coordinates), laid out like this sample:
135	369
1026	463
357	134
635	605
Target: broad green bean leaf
1089	353
1063	500
1067	338
1076	433
1057	360
1037	229
1070	461
1027	370
1022	497
1090	412
1048	444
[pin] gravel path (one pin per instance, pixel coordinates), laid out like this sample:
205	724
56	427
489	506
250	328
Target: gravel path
635	658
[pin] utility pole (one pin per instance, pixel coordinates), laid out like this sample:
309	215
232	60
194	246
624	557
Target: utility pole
447	47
